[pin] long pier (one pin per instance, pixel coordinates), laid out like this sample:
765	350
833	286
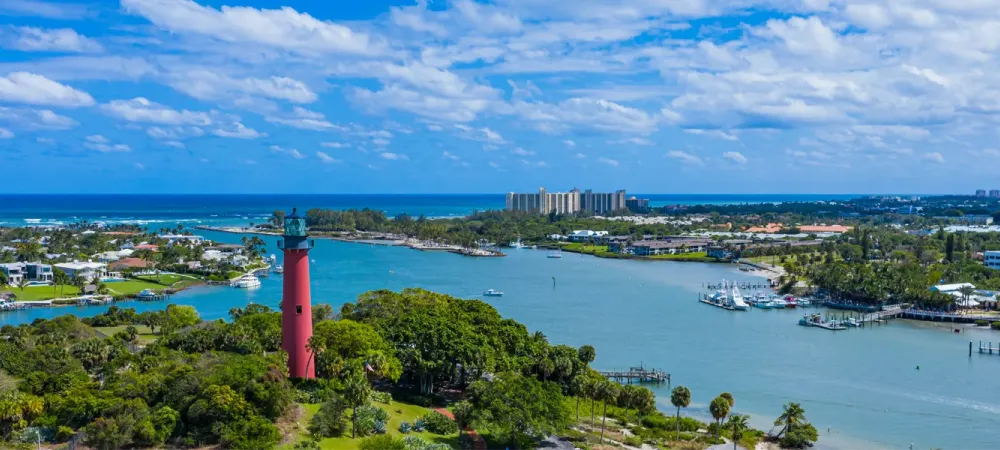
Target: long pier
743	285
639	374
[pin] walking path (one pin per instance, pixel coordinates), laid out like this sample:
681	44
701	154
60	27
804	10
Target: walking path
478	442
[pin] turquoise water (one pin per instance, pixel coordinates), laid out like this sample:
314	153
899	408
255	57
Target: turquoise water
861	383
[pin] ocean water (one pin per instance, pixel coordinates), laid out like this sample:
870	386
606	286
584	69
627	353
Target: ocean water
190	210
862	384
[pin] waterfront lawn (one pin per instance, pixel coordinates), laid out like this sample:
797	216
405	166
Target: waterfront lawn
33	293
145	335
692	256
165	279
398	413
131	287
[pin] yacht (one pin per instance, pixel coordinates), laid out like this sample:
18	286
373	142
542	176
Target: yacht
146	294
492	293
736	300
248	281
778	303
278	269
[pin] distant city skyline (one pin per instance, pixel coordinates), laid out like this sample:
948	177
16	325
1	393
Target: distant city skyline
242	96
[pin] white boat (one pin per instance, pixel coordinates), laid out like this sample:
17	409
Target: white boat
736	300
492	293
778	303
278	269
556	254
248	281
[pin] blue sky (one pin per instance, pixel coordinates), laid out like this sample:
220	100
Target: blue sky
670	96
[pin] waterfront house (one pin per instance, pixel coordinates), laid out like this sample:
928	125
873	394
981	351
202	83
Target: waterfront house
189	239
111	256
949	288
557	237
669	247
128	263
88	270
33	272
586	235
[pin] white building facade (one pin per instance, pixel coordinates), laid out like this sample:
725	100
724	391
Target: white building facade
570	202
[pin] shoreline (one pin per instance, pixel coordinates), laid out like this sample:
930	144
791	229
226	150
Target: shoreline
384	239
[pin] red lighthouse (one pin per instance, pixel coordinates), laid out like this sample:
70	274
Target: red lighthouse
296	301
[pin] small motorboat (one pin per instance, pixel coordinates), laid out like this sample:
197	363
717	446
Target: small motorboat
492	293
146	294
555	255
851	322
279	269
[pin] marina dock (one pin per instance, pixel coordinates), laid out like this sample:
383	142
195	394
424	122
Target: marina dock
709	302
986	348
639	374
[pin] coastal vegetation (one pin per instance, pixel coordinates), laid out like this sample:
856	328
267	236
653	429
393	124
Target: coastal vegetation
384	363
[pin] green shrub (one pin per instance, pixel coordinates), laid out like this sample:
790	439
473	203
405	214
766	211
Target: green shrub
418	425
438	423
982	323
633	441
308	444
250	434
801	437
64	433
685	436
404	427
369	418
654	421
330	420
381	397
574	435
995	326
381	442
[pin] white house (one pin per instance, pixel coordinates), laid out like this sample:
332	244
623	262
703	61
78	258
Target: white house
586	235
190	239
113	256
89	270
949	288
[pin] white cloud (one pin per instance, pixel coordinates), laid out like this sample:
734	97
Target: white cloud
580	156
139	166
287	151
174	133
633	141
685	158
24	87
934	157
569	143
140	109
36	119
522	152
393	156
284	28
237	130
306	120
479	134
736	157
493	164
175	144
586	113
713	133
37	8
335	145
608	161
45	140
327	159
101	144
31	39
209	85
379	142
6	134
449	155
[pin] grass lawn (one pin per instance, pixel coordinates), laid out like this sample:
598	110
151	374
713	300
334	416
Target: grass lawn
45	292
164	279
145	336
398	413
693	256
129	287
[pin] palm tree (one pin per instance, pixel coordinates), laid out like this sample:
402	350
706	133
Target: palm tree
719	409
680	397
738	424
608	391
792	416
578	385
966	292
591	390
628	395
729	398
357	391
21	284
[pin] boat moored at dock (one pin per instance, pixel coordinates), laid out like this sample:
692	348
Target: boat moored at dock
248	281
492	293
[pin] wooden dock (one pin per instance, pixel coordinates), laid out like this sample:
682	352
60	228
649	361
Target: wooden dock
986	348
707	302
639	374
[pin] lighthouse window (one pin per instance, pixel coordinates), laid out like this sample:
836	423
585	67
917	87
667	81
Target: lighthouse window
298	309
